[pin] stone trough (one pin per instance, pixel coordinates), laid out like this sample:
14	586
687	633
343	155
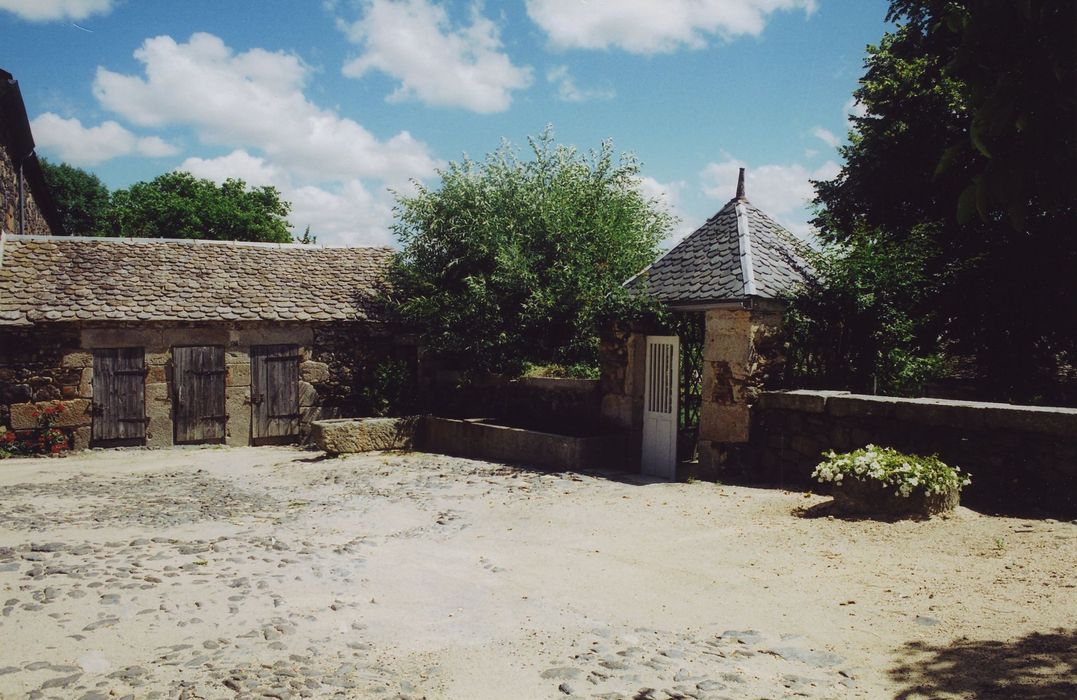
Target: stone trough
478	439
350	435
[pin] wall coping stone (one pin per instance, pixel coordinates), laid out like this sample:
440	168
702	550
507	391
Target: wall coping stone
561	383
798	400
969	415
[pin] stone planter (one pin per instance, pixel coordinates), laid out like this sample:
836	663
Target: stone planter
870	498
348	435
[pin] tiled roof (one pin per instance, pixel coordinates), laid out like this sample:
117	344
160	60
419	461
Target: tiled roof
45	279
740	252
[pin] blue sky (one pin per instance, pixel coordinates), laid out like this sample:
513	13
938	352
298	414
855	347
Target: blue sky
335	102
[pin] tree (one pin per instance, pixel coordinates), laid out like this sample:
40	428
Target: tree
510	260
968	138
81	199
178	205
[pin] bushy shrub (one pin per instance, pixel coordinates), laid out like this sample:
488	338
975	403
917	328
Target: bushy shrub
889	468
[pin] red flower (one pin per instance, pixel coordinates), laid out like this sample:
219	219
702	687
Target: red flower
34	413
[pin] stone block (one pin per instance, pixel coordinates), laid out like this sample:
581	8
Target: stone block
77	412
86	383
622	411
636	369
277	334
800	400
237	404
1046	420
198	335
239	374
314	372
349	435
158	357
77	360
121	338
80	438
728	336
724	423
308	396
156	374
861	405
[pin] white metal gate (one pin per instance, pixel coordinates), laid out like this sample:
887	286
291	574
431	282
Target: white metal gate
660	407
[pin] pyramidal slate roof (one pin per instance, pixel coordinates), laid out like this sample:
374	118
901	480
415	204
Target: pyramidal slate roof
739	253
55	279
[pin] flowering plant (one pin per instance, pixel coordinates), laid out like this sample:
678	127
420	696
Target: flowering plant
890	468
45	440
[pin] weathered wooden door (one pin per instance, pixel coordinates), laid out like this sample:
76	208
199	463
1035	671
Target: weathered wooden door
660	407
198	394
119	394
274	391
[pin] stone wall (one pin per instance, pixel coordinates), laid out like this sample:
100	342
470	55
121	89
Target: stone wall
343	363
9	193
55	362
1022	458
550	404
38	368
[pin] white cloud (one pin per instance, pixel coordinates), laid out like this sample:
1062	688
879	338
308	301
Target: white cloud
254	99
782	191
668	195
854	108
435	62
826	136
80	145
646	26
569	91
51	10
344	213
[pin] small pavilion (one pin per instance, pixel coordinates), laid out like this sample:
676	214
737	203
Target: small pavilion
689	389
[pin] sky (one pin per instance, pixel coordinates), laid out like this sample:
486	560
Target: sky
341	103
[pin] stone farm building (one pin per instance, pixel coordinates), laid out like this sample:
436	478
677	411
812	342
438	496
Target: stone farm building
725	281
162	342
26	205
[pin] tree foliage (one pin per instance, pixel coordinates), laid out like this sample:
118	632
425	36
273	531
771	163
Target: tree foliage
962	175
511	260
81	199
179	205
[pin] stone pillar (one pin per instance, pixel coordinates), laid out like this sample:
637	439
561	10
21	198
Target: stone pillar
159	431
739	355
622	356
237	395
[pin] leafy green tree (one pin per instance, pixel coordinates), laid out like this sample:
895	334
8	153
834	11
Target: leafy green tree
179	205
81	199
968	138
510	260
852	327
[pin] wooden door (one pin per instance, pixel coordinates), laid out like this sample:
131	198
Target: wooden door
198	394
660	407
274	391
119	394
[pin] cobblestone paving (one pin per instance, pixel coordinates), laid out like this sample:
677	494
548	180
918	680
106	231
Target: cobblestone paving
266	609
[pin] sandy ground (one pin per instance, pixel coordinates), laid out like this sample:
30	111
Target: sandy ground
274	572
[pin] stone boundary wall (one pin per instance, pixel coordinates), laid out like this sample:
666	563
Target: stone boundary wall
1022	458
543	403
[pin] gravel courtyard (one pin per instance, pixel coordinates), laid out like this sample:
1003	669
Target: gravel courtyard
275	572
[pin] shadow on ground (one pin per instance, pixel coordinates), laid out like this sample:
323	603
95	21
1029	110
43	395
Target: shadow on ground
1034	667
